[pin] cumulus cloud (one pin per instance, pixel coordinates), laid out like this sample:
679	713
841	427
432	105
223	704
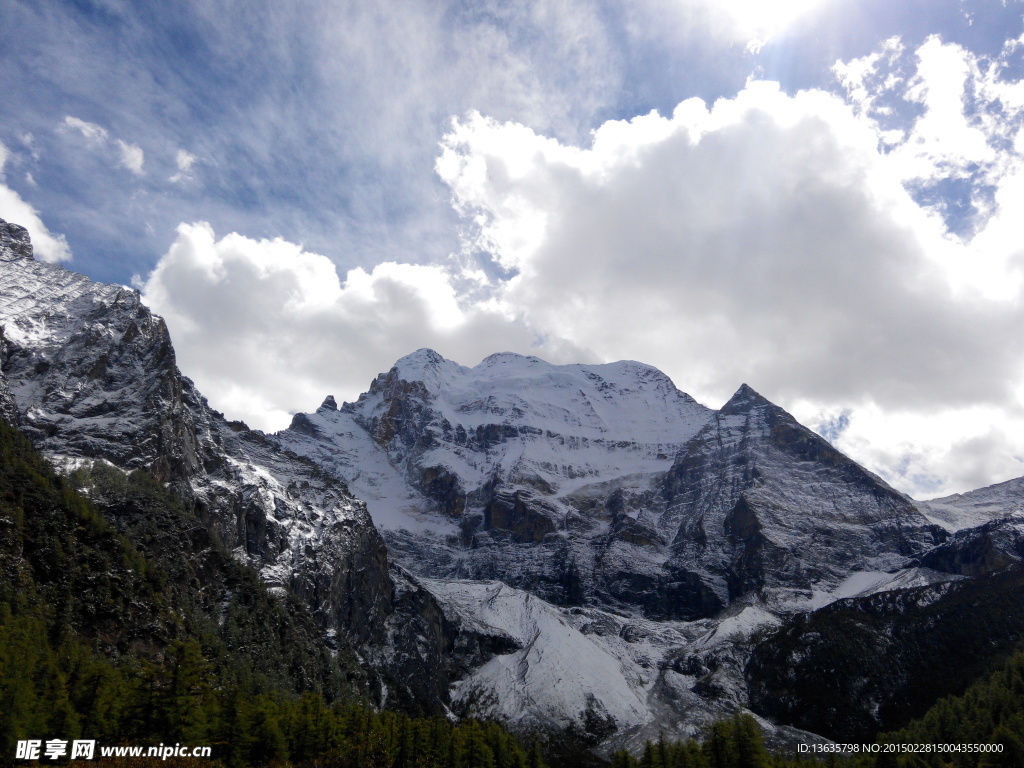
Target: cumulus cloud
764	238
13	208
267	328
781	240
947	119
777	240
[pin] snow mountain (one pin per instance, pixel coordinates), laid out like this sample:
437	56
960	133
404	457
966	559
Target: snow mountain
574	548
579	513
605	485
89	373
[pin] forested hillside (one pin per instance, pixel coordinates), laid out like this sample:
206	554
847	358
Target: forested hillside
144	630
956	732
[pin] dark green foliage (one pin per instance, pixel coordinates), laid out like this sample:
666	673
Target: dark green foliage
990	712
221	598
123	620
734	743
864	665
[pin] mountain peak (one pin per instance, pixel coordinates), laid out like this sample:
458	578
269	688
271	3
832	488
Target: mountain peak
745	398
421	355
15	243
425	365
329	404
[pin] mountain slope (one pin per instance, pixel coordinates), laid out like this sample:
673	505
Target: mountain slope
165	638
91	375
886	658
757	503
89	620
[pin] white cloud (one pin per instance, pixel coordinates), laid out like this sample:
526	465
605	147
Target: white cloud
14	209
129	156
767	238
94	133
184	160
946	117
132	156
742	238
266	328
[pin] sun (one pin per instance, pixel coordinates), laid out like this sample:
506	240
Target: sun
758	21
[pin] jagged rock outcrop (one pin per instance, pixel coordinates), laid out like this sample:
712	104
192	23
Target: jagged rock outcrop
15	243
8	408
757	503
90	373
992	547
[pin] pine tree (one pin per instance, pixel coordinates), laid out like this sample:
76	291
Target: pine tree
747	743
1012	755
719	747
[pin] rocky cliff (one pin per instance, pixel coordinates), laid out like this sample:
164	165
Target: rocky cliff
89	373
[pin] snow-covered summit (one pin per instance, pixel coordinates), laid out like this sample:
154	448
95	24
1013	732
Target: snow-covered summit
966	510
509	419
426	366
625	399
743	399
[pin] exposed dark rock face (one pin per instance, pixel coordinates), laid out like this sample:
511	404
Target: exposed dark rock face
757	501
864	665
8	408
91	374
14	242
520	514
990	548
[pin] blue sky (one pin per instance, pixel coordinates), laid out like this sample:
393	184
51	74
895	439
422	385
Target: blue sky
318	188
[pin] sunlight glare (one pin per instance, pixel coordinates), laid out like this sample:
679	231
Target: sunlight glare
759	21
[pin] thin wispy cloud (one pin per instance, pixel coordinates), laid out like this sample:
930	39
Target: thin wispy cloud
184	160
129	156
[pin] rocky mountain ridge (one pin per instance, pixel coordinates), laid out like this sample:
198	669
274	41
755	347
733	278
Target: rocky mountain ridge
91	374
604	485
582	548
